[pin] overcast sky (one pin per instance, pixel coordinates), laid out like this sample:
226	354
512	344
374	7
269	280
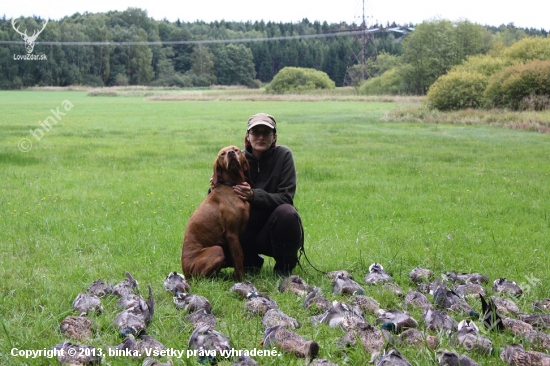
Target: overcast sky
526	13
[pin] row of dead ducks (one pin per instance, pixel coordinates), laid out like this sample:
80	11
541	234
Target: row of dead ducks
396	326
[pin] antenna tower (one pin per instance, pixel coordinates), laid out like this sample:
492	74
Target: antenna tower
354	75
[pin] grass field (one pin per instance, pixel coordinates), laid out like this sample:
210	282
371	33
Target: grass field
109	189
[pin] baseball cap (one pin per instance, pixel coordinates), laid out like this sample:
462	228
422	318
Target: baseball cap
261	119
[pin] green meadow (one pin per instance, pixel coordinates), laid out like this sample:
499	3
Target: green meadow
110	187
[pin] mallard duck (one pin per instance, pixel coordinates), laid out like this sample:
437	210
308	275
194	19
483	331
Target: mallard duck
245	361
541	305
396	321
340	315
316	302
288	341
366	304
464	278
333	274
296	285
135	319
346	286
192	302
372	339
505	306
129	301
99	288
201	317
538	340
514	354
377	275
418	299
149	361
392	358
274	317
447	299
85	303
77	327
448	358
420	274
175	283
493	320
539	321
149	345
77	354
470	290
504	286
244	289
207	339
259	304
322	362
437	320
393	288
128	286
414	337
468	337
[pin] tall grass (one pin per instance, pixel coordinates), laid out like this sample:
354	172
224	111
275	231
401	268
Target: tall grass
110	187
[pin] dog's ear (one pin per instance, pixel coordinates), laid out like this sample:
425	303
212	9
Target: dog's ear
216	175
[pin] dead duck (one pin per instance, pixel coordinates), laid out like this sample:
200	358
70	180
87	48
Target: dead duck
259	303
77	327
274	317
393	288
439	321
135	319
99	288
396	321
372	339
346	286
420	274
243	289
200	318
149	361
541	305
493	320
447	299
377	275
209	340
149	345
128	286
245	361
316	303
464	278
85	303
468	337
470	290
448	358
414	337
322	362
175	283
505	306
365	304
392	358
296	285
77	354
192	302
340	315
417	299
539	341
539	321
333	274
288	341
504	286
514	354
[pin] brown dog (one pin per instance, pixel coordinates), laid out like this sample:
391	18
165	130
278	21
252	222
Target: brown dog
219	220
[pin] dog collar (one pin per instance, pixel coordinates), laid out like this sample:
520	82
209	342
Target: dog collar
228	183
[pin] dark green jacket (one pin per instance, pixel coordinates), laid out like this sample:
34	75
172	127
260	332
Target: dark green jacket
273	178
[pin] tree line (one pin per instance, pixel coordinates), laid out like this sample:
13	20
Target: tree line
198	61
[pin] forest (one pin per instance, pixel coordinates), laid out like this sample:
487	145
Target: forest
89	49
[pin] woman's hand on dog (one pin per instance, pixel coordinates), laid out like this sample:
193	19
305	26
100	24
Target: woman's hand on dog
244	191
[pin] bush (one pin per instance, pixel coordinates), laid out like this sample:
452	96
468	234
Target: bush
389	83
529	49
121	80
296	79
457	90
483	64
510	87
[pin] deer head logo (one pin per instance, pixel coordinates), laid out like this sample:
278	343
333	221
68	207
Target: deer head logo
29	40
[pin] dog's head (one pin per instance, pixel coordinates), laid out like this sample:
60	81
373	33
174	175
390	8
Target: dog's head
230	166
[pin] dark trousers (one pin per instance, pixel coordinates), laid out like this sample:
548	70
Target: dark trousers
266	230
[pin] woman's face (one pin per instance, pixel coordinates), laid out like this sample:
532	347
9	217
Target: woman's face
261	137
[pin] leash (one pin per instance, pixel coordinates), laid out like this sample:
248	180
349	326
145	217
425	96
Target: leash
302	251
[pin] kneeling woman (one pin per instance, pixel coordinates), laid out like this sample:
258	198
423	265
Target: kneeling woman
274	228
